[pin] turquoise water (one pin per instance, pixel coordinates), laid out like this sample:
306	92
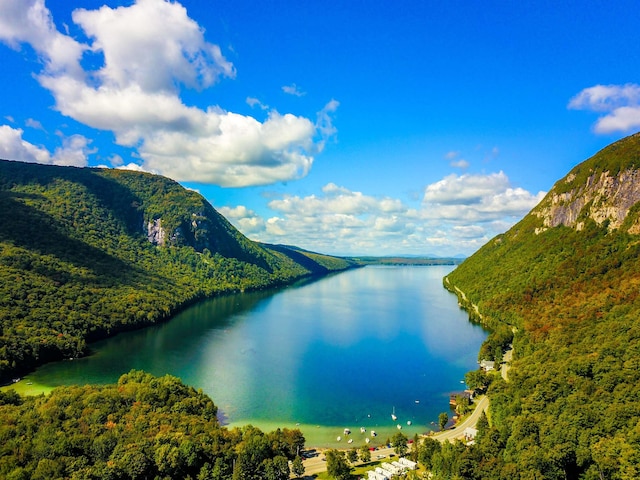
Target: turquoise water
341	352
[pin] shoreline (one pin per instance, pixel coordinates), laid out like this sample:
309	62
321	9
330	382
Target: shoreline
325	436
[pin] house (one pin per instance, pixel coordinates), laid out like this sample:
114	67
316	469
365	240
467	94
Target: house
453	398
469	435
487	365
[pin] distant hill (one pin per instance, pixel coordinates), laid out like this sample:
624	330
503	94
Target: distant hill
408	260
85	253
564	285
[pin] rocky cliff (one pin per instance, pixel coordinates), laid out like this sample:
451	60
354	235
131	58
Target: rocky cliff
603	192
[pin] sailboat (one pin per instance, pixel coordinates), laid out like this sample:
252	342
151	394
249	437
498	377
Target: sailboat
393	415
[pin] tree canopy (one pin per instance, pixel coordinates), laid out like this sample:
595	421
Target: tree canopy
142	427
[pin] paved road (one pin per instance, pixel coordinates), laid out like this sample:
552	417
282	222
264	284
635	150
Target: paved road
470	421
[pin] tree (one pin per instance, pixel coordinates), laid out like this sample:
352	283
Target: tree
427	449
482	425
497	355
415	448
337	465
477	380
277	469
443	419
399	443
365	454
298	467
352	455
462	405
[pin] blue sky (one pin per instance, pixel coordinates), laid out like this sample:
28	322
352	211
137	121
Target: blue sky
345	127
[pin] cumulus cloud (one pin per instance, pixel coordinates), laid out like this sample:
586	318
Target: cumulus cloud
30	22
246	220
465	189
152	44
73	151
477	198
458	214
145	53
619	103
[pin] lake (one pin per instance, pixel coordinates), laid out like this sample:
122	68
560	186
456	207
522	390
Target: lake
344	351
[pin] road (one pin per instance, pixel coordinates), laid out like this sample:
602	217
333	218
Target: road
506	365
470	421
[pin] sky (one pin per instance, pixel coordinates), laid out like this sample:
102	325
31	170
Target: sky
346	127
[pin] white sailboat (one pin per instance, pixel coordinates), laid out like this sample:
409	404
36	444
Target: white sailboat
393	415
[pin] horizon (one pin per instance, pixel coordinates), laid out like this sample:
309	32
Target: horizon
351	130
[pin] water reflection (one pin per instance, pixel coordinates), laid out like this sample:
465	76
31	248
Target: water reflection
347	348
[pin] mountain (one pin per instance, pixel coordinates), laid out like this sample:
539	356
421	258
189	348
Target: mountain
86	253
563	286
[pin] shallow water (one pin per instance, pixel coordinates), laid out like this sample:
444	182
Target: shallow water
344	351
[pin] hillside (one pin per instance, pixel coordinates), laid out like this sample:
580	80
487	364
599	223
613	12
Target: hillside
85	253
564	283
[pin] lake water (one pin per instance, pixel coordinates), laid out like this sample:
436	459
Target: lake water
345	351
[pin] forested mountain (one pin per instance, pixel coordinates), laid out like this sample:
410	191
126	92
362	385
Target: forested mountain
85	253
564	285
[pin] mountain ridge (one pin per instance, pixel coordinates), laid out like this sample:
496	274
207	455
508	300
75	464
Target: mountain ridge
562	285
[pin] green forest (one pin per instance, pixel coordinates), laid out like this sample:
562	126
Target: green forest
569	300
77	264
142	427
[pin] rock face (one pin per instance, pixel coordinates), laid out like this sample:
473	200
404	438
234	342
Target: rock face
603	197
604	189
155	232
194	233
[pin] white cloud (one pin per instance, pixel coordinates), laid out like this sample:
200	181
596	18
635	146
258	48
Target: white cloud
245	220
31	123
29	21
116	160
619	103
131	166
477	198
294	90
152	44
460	163
254	102
145	53
324	123
73	151
459	214
455	161
465	189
